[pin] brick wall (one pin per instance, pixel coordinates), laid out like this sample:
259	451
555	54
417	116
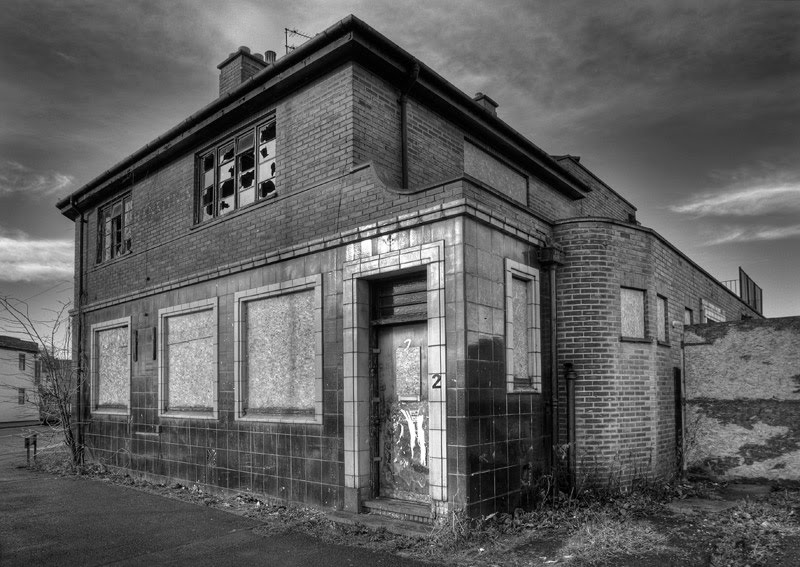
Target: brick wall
601	201
624	402
743	399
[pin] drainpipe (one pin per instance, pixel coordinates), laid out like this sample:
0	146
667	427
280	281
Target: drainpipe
551	257
403	101
553	359
79	332
571	376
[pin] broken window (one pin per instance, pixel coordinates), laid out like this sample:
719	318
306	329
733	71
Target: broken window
237	172
114	229
632	313
523	332
21	361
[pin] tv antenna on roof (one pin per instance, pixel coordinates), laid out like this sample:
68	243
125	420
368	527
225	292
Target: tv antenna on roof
287	33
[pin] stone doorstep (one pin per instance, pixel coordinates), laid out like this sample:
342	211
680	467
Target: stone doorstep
377	522
399	509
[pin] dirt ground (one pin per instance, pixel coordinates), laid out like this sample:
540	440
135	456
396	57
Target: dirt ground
688	524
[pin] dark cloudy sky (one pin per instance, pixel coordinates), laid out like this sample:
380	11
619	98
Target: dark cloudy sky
689	109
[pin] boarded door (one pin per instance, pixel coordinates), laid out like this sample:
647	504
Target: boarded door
402	431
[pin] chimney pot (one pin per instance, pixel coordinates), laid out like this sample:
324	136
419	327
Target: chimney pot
486	103
238	67
269	57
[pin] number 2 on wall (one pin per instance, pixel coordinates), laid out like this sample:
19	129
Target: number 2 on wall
437	382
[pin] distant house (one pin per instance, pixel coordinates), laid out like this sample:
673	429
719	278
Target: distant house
18	399
346	283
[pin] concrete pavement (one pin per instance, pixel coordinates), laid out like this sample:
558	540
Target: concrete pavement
51	520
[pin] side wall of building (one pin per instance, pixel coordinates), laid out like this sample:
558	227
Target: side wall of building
743	400
625	392
18	398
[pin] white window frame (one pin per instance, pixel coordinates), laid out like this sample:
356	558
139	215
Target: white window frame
531	275
105	326
163	379
310	283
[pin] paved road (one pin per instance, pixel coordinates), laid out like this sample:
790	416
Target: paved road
50	520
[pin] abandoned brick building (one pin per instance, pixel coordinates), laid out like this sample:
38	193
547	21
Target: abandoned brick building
346	283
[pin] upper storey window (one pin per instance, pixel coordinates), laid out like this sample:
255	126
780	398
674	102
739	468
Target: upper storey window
237	172
114	229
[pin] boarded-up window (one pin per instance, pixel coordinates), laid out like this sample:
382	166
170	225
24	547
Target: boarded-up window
490	170
111	362
632	312
279	359
188	365
688	316
523	350
712	313
280	354
661	319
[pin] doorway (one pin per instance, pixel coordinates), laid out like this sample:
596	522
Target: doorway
400	412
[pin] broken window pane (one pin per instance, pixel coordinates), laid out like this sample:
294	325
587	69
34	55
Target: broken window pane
246	161
236	162
226	188
226	153
267	133
266	189
246	180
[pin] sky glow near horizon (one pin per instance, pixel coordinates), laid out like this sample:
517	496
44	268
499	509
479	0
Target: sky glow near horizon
688	110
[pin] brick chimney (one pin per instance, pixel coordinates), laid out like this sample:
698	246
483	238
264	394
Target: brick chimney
487	103
238	67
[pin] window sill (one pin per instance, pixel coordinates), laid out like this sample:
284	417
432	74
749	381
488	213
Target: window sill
635	340
113	260
664	344
233	214
111	411
276	418
524	391
189	415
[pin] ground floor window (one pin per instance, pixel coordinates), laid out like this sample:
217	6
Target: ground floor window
523	331
187	372
111	366
279	351
632	313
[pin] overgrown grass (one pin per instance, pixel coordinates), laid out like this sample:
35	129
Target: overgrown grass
603	537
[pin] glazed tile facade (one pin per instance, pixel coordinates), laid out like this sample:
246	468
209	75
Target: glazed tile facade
259	355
